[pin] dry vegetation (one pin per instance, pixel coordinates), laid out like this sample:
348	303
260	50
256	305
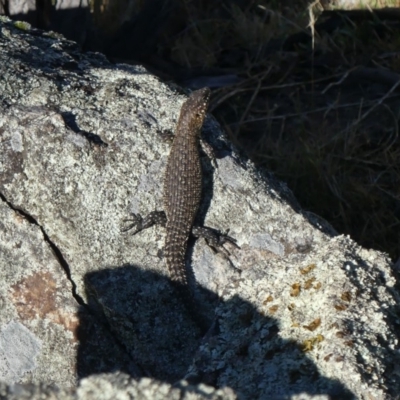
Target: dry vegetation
313	96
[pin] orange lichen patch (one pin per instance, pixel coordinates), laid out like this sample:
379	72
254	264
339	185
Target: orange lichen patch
307	269
67	319
308	283
273	309
340	307
335	325
317	285
291	306
268	299
346	296
313	325
309	344
35	296
295	290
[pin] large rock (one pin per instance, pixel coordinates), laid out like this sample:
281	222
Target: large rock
304	312
116	386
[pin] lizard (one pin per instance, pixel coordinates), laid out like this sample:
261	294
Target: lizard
182	196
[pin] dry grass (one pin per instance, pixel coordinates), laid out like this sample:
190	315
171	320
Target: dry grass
336	142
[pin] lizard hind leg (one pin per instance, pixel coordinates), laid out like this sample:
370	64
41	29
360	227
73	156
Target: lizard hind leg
136	223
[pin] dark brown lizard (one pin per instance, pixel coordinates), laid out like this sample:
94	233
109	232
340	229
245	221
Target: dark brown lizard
182	195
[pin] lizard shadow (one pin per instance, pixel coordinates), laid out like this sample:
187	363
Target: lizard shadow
134	323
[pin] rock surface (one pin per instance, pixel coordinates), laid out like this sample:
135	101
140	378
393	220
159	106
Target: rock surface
305	313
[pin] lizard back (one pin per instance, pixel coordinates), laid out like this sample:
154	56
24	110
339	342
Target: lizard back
183	183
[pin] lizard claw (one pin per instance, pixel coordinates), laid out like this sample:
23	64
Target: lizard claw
136	221
224	238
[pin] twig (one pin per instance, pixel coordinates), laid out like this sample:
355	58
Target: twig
250	103
304	113
236	90
344	77
376	104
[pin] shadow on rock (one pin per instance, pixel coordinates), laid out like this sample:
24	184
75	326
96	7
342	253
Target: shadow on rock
135	323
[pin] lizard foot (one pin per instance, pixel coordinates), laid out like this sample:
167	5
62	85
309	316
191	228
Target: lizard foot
137	223
215	239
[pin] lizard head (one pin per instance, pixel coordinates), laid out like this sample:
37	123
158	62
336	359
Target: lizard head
194	109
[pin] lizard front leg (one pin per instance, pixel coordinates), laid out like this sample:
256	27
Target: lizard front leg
213	238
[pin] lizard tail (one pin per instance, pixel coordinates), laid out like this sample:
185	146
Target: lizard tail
175	251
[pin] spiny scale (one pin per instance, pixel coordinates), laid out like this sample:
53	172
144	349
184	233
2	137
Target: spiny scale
182	185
